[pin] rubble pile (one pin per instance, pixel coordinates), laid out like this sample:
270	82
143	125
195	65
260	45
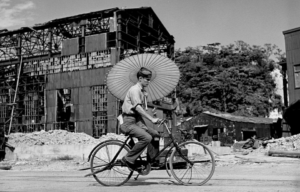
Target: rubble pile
291	143
111	136
57	137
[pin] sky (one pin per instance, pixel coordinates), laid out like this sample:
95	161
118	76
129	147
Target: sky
191	22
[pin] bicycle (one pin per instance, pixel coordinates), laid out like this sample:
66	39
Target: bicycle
190	162
185	135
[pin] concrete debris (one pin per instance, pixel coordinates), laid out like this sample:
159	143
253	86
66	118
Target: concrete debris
291	143
111	136
57	137
284	153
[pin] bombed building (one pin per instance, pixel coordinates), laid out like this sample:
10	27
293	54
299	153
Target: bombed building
52	75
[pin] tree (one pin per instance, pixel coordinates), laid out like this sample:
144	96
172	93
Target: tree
234	79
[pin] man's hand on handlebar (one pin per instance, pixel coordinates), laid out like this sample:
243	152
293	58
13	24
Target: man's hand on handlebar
156	120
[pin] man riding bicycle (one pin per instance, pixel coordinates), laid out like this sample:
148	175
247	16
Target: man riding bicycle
133	123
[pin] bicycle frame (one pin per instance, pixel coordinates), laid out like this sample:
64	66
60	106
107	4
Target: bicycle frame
111	163
114	168
169	144
114	158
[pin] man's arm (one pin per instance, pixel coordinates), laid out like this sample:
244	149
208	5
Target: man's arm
142	112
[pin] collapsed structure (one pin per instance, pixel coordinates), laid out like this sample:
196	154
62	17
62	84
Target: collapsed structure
53	74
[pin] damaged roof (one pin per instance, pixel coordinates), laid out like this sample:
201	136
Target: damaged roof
256	120
76	18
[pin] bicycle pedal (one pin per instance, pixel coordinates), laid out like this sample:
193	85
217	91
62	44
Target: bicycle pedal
140	168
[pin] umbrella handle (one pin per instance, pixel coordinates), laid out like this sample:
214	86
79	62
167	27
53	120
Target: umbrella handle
154	112
146	107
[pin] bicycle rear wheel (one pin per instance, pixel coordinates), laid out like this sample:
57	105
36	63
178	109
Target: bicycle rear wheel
112	174
167	159
200	168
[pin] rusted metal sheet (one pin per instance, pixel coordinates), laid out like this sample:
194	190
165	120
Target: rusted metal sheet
70	46
85	127
293	56
51	118
75	101
51	108
85	78
53	81
71	79
96	42
111	113
85	116
85	112
80	78
84	95
292	45
113	56
292	40
51	98
76	78
61	81
100	76
92	77
49	82
66	80
75	96
57	81
75	116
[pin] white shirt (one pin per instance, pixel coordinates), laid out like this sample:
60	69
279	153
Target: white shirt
135	96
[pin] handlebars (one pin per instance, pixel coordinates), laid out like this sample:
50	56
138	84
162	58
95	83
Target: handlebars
162	121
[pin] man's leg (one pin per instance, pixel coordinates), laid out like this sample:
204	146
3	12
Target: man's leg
153	147
144	139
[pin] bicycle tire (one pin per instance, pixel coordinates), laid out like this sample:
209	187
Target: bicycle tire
100	159
200	171
166	164
168	155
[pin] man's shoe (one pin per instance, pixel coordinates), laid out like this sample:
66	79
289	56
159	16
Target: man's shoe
131	167
155	166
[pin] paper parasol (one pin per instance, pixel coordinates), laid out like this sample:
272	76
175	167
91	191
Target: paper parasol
165	75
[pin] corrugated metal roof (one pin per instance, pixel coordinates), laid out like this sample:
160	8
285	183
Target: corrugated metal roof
257	120
291	30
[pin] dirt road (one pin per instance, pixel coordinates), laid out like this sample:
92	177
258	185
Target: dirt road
229	177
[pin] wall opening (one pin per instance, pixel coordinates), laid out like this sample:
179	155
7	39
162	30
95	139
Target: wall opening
64	110
99	110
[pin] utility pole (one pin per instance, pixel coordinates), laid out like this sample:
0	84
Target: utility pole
15	96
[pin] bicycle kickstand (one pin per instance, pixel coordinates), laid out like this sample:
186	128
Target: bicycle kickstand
137	176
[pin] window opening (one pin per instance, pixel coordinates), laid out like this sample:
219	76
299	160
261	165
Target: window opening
297	76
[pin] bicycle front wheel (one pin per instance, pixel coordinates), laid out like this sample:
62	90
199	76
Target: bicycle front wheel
112	174
196	167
